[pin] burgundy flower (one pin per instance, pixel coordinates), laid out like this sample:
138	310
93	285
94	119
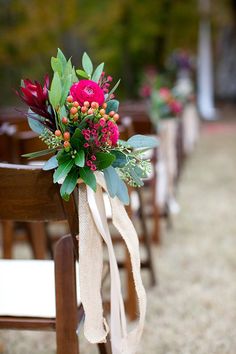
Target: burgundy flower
36	96
87	90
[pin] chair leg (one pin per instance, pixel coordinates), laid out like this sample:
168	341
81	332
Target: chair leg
156	237
38	239
7	238
131	305
66	300
147	242
104	348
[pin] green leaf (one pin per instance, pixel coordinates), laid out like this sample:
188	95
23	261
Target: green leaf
68	69
82	73
55	90
112	180
121	159
35	122
122	192
62	112
62	156
98	72
77	139
65	89
123	143
142	141
88	177
112	105
62	170
57	66
51	163
114	88
33	155
135	177
87	64
140	172
104	159
69	184
61	57
80	158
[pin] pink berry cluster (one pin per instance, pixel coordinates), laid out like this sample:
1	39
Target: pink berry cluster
101	131
104	133
105	82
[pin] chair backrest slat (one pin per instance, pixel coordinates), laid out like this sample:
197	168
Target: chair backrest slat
27	193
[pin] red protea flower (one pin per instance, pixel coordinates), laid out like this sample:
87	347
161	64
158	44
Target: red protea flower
36	96
87	90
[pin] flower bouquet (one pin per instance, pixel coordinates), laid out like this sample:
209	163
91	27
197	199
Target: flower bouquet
77	120
164	104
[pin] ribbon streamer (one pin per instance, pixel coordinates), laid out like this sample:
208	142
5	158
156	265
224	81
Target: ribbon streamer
93	229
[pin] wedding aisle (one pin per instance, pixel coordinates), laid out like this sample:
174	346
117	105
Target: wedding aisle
193	308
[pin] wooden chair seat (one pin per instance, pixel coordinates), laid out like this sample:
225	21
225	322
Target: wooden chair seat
27	288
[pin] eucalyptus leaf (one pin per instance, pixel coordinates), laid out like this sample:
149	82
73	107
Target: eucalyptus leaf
80	158
69	184
98	72
112	180
55	91
142	141
51	163
135	177
112	105
87	64
62	170
122	192
88	177
121	159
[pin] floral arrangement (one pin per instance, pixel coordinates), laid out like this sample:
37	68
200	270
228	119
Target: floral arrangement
164	104
77	120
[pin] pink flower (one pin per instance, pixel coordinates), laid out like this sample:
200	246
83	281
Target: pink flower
176	107
87	90
164	92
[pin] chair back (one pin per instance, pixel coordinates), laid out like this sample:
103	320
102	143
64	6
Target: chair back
27	193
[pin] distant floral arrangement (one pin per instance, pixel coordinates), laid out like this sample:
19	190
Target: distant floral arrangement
77	120
165	104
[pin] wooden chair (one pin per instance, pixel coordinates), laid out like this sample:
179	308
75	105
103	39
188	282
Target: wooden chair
141	125
14	143
28	194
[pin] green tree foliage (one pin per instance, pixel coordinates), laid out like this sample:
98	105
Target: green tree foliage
127	34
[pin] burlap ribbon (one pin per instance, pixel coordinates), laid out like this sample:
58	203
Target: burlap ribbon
94	229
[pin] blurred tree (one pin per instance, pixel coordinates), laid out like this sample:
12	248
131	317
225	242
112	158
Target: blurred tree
127	34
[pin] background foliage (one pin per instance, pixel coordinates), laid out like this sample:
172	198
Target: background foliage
127	34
